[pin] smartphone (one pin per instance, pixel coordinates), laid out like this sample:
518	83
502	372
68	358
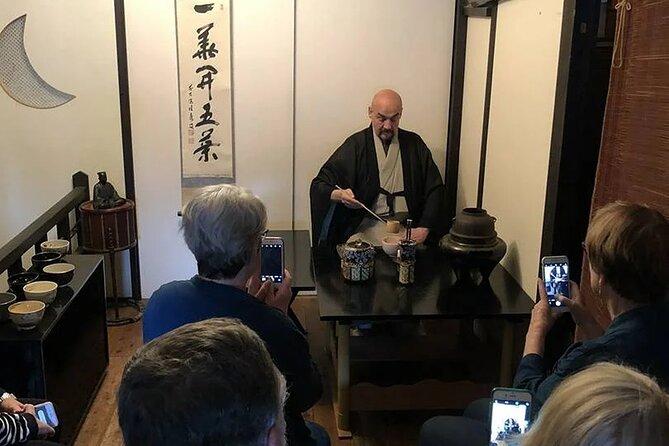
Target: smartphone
510	415
271	260
555	274
46	413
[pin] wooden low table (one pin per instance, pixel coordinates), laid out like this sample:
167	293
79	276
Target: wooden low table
434	295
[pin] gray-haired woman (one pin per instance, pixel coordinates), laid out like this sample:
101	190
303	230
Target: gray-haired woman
223	227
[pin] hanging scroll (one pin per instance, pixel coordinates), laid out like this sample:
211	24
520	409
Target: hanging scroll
205	89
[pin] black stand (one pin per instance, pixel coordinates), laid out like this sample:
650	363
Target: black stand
118	320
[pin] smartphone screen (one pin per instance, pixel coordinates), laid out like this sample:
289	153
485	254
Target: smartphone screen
556	279
509	419
46	413
271	260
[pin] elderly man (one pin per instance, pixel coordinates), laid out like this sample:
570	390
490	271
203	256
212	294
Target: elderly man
223	227
210	382
389	170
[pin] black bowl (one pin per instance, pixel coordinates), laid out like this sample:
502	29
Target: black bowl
16	282
43	259
62	273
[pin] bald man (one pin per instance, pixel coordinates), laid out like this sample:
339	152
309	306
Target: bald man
389	170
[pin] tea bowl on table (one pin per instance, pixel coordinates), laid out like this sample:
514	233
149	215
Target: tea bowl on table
390	244
17	281
42	290
27	314
43	259
6	299
59	246
61	273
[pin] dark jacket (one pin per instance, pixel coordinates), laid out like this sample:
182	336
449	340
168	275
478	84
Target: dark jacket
354	165
182	302
637	338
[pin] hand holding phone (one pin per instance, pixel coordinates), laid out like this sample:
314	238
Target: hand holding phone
555	274
510	415
272	260
46	413
44	430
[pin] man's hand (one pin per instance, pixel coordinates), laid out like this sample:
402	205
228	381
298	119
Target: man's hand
277	297
11	405
419	234
345	197
541	322
44	430
580	313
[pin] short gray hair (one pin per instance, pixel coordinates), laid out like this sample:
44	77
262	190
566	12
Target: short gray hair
209	382
222	226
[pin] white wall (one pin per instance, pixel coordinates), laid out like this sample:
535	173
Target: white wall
73	49
521	122
262	109
473	101
340	54
152	70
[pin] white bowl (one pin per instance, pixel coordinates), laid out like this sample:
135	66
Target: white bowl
390	245
42	290
61	246
27	314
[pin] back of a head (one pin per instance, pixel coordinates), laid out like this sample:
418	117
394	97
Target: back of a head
604	405
206	383
222	226
628	244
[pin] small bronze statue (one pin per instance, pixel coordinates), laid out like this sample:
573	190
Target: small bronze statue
104	194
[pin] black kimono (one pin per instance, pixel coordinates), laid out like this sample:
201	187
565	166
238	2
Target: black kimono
354	165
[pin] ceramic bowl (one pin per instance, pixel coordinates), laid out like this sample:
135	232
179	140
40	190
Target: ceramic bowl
60	246
17	281
6	299
43	259
61	273
42	290
27	314
390	245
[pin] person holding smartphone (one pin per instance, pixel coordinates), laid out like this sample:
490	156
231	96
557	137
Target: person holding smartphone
224	227
627	247
19	423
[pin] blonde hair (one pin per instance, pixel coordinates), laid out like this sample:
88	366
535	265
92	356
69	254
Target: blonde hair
604	405
628	244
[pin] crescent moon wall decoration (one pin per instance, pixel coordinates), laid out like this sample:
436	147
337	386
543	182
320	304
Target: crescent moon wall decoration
18	77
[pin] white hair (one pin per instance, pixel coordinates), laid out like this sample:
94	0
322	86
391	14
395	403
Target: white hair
222	226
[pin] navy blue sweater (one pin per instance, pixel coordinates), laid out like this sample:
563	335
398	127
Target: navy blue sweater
637	338
182	302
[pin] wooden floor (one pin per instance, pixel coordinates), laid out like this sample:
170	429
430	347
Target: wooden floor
370	428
